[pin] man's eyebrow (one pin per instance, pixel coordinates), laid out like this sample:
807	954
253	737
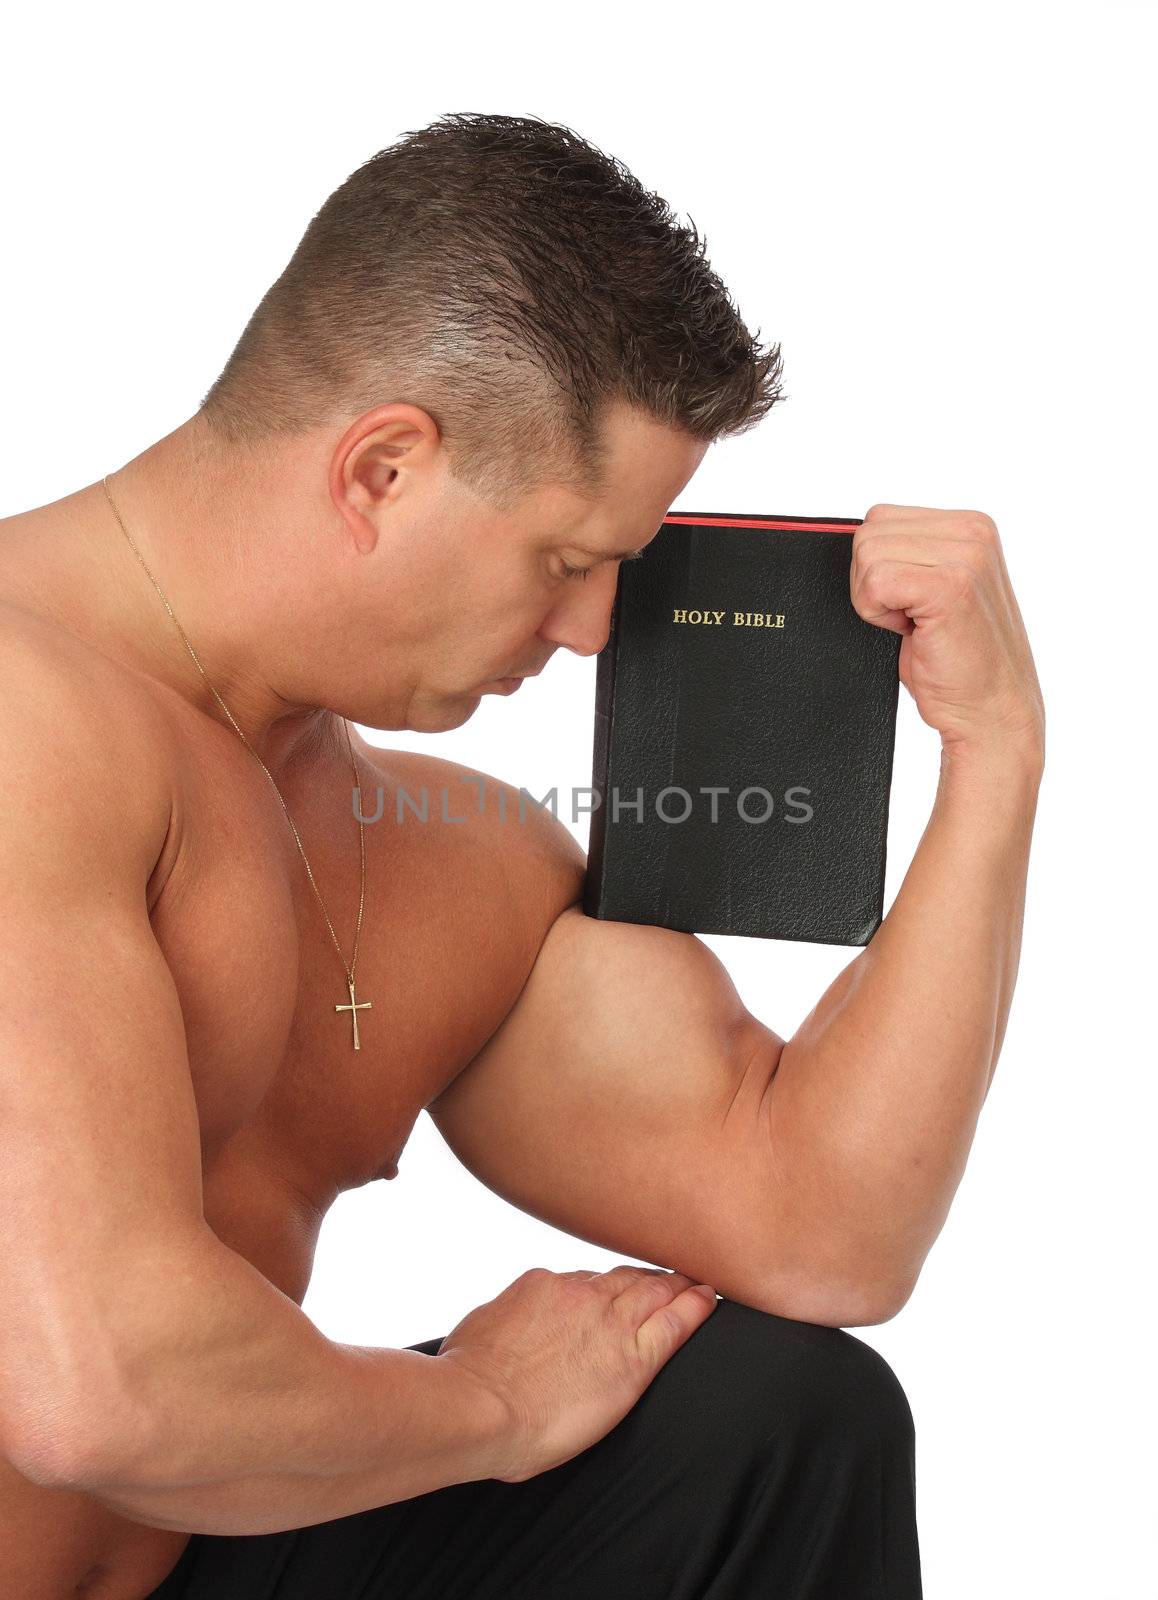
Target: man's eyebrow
615	555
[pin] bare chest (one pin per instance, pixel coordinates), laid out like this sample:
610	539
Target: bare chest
291	1112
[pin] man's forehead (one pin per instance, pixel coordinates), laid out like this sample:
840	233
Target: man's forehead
608	529
645	466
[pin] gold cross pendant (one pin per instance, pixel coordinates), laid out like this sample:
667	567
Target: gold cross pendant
353	1008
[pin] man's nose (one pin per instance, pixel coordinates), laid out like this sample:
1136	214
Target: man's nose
585	636
582	623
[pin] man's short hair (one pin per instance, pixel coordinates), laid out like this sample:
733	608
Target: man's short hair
510	279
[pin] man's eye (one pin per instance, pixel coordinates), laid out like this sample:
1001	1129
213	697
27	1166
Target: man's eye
574	572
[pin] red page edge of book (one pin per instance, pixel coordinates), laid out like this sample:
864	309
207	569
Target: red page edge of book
801	524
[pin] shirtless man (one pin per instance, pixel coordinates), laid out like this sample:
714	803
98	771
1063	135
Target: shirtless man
381	544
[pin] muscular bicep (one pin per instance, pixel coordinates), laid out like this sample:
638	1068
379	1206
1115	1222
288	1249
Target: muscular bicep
625	1099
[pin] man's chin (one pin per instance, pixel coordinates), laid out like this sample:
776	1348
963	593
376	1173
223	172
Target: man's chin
429	715
446	713
439	712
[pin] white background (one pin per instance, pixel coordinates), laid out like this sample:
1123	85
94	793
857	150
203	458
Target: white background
941	213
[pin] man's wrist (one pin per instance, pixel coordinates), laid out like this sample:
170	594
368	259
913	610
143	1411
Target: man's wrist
1002	773
999	750
491	1419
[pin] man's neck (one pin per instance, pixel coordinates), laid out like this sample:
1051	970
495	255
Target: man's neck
193	515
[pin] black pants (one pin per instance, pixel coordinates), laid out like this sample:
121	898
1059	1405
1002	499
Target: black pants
768	1460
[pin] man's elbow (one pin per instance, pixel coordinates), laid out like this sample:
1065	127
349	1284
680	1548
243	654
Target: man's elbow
880	1302
854	1302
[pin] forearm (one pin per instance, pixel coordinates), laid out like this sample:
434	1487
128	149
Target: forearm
251	1421
876	1097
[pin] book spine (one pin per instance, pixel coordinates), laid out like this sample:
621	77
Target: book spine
600	767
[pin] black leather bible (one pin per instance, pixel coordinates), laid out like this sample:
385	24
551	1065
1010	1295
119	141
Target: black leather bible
745	720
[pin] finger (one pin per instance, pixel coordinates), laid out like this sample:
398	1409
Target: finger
623	1277
895	594
647	1293
885	511
891	565
661	1335
923	548
934	522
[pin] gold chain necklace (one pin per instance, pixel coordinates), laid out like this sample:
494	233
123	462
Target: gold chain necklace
355	1005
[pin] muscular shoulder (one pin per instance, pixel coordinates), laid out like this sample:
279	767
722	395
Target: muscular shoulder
496	835
78	735
44	656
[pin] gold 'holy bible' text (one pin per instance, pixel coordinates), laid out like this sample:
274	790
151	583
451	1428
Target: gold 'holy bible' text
740	619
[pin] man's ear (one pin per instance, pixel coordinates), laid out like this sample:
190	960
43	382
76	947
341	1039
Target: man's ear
376	457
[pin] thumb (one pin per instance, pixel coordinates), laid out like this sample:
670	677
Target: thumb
673	1325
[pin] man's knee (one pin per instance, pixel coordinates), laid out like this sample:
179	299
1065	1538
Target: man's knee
747	1381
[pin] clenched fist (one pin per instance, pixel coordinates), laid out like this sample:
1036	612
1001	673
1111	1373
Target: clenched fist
939	578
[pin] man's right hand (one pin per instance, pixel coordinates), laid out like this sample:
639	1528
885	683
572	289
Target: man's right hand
570	1353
